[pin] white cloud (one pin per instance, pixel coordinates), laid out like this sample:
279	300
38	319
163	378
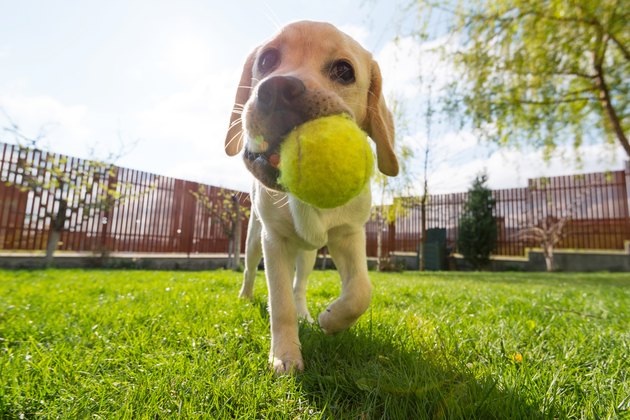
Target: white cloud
398	62
186	56
455	158
410	68
511	168
62	126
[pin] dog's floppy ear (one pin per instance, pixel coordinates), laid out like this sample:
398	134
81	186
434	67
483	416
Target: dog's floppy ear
380	124
234	138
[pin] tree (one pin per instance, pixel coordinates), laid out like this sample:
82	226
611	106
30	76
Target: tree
477	225
424	198
547	234
392	188
547	230
228	213
537	72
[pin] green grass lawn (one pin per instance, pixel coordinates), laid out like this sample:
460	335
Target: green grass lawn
142	344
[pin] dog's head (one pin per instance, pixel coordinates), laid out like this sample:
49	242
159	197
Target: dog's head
309	70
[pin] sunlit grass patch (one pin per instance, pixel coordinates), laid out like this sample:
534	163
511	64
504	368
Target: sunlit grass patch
77	344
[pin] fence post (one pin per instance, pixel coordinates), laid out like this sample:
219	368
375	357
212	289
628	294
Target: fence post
106	220
627	174
391	239
189	216
236	242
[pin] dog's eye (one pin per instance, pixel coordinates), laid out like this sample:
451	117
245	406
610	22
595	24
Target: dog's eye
342	72
268	60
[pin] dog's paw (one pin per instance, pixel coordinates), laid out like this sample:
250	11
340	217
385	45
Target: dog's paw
246	294
332	322
344	312
286	366
247	288
306	315
303	312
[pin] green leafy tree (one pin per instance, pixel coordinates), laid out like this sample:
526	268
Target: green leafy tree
537	72
477	226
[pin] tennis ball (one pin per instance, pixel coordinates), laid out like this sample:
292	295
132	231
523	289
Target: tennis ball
326	162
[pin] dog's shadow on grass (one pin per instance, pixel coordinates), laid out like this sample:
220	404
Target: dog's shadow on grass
357	374
362	374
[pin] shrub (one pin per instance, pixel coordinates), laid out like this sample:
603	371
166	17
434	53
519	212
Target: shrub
477	225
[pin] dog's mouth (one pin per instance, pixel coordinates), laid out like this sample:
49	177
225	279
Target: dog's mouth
264	166
262	151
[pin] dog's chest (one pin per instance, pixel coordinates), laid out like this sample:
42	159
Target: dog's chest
308	227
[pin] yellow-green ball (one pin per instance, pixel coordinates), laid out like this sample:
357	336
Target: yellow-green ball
326	162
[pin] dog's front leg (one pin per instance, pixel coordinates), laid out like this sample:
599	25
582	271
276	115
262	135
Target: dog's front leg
285	355
303	266
253	254
348	252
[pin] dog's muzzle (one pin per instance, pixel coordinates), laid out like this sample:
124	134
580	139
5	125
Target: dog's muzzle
279	108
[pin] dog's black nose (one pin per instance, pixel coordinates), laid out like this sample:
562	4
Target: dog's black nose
279	93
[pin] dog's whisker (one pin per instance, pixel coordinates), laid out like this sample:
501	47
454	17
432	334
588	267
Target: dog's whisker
235	123
238	137
278	198
238	109
281	205
241	195
282	201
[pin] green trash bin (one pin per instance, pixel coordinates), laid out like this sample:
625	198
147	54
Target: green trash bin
434	252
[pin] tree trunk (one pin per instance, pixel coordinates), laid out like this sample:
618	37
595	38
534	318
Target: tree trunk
56	227
423	207
609	109
379	241
548	250
230	259
51	246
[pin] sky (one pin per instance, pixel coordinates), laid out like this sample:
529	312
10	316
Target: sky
154	82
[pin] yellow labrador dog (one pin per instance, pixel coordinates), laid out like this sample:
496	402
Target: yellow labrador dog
308	70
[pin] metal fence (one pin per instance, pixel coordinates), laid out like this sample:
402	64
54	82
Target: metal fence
106	207
596	208
124	210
